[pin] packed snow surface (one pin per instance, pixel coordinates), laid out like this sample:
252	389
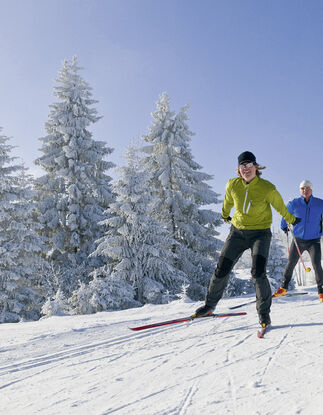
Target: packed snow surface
93	364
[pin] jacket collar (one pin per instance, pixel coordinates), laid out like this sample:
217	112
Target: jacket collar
304	201
253	182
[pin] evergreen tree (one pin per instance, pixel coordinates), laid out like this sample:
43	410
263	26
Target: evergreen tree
103	294
136	247
75	191
21	267
245	261
57	306
239	286
181	192
277	260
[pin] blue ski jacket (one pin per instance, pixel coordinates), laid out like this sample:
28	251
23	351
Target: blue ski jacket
310	227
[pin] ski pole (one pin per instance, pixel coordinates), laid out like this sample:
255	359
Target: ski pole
298	250
287	242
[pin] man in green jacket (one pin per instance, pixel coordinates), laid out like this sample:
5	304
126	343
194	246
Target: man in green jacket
252	198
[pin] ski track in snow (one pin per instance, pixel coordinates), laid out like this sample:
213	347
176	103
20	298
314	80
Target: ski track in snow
68	354
274	355
95	365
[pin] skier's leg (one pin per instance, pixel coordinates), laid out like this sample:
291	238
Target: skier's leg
260	251
314	249
293	258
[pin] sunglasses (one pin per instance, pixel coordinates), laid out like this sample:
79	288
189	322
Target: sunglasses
246	165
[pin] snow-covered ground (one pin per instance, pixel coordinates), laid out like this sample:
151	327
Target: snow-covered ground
95	365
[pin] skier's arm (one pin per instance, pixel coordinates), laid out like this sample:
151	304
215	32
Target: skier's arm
227	202
275	199
283	223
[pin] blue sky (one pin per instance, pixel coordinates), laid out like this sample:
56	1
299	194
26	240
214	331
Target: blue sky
252	72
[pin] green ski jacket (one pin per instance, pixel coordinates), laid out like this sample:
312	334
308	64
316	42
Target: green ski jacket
252	203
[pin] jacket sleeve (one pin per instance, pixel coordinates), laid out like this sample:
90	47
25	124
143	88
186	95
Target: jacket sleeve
283	223
228	201
275	199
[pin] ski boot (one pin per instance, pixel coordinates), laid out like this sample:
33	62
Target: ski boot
280	292
320	293
203	311
265	322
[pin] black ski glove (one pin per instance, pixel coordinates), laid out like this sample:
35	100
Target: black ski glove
296	221
227	220
285	230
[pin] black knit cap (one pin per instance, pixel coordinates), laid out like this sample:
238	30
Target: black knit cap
246	156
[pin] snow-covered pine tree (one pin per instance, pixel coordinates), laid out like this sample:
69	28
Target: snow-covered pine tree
240	280
181	191
57	306
21	267
136	247
277	260
101	294
238	286
75	191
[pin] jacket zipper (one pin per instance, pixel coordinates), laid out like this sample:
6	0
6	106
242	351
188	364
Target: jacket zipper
307	214
245	199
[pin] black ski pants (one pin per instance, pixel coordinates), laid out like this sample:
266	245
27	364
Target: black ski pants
236	243
313	247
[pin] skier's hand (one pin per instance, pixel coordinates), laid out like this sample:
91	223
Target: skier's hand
285	230
227	220
296	221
